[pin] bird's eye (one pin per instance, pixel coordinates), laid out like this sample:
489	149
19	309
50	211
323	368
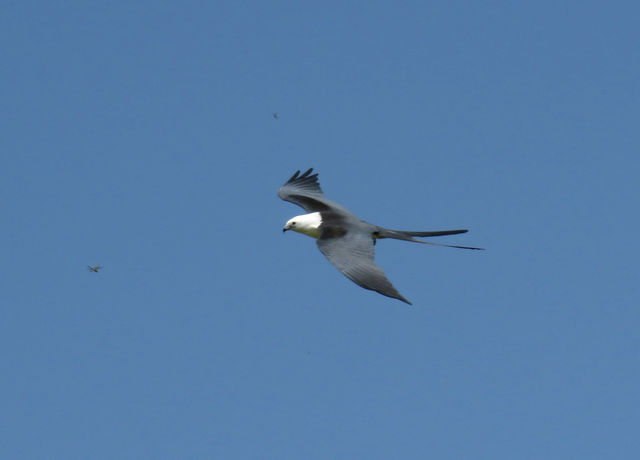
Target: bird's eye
293	223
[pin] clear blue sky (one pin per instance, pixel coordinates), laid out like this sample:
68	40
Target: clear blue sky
139	136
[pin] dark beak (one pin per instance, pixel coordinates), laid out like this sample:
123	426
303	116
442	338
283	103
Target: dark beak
284	229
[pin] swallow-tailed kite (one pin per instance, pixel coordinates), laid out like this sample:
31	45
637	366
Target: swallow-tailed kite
346	240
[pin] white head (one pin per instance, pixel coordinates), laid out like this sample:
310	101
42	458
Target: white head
307	224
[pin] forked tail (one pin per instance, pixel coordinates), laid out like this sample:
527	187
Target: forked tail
408	236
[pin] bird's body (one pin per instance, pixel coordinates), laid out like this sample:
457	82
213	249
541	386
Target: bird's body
95	269
346	240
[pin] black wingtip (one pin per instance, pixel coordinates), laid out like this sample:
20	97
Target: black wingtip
304	175
294	177
395	295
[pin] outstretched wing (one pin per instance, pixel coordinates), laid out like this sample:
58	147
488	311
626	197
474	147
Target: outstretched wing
353	255
304	190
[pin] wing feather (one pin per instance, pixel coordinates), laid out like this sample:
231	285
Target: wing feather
304	190
353	255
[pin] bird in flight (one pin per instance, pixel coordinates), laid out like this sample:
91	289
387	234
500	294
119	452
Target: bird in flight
345	239
95	269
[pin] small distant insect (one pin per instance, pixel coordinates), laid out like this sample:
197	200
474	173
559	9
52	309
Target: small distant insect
95	269
275	115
